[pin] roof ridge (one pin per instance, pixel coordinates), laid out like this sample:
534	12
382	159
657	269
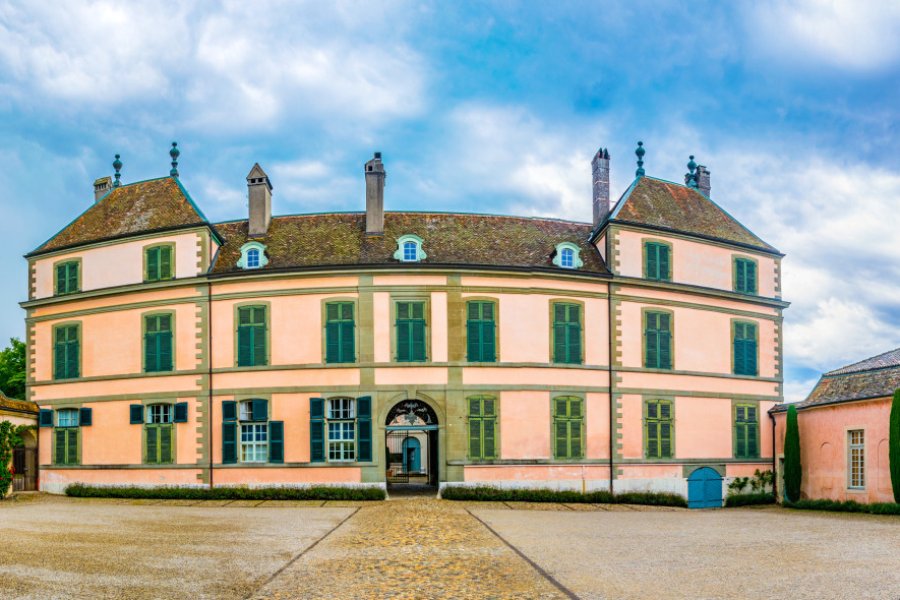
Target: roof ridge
848	369
420	212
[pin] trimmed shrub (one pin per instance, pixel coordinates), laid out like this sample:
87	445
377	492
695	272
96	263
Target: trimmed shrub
792	470
493	494
894	444
878	508
749	499
78	490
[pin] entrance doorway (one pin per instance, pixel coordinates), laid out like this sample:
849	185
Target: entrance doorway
411	445
705	489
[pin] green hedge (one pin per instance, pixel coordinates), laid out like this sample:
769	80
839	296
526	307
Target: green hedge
493	494
878	508
749	499
227	493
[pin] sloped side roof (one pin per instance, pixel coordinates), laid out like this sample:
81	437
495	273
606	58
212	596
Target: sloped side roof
890	358
17	405
130	209
449	239
659	203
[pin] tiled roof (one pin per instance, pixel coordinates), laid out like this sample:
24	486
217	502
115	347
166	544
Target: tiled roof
874	377
152	205
668	205
17	405
340	239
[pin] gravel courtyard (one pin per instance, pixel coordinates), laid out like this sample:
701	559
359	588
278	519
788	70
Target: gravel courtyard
424	548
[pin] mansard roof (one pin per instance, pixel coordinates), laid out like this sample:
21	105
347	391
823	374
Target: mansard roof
875	377
449	239
142	207
669	206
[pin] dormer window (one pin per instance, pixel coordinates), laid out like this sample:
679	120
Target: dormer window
409	249
567	256
253	256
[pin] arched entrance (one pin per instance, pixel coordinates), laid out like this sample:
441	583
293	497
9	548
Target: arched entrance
411	444
705	489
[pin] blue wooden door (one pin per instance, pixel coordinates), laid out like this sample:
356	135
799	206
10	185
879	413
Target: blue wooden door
705	489
412	461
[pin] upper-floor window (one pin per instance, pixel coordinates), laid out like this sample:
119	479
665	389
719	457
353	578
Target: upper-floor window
253	256
158	343
567	256
340	333
746	431
566	333
657	340
252	336
67	274
409	249
658	428
856	447
568	427
744	348
158	264
66	351
745	275
411	333
481	331
657	261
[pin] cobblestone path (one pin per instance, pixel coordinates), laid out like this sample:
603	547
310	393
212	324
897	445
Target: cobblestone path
410	548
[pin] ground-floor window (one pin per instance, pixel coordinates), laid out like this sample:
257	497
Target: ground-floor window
482	427
857	458
658	428
65	451
341	429
568	427
254	442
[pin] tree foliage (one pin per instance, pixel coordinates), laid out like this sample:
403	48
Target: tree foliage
12	369
894	444
792	470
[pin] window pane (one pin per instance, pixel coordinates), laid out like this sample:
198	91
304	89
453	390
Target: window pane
67	417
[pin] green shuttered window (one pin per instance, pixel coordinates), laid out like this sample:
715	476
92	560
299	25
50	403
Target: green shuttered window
158	338
568	427
159	435
657	263
411	332
482	427
252	336
658	428
340	429
481	331
317	430
745	276
746	431
657	340
566	333
66	351
65	436
744	348
158	263
67	277
340	333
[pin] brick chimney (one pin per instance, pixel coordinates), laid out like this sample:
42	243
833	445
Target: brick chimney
600	170
102	187
259	193
375	176
703	180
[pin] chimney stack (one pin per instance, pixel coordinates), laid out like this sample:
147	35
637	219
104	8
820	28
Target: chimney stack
600	170
102	187
375	176
259	192
703	184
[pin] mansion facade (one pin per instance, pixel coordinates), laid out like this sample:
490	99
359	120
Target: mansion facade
640	351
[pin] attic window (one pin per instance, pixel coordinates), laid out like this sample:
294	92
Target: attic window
567	256
253	256
409	249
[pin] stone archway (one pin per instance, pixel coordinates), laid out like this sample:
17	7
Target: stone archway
411	444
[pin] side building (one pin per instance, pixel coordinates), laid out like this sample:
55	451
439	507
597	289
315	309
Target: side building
637	351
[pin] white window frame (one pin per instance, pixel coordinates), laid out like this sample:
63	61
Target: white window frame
254	449
856	451
562	247
160	413
341	429
402	241
71	419
243	262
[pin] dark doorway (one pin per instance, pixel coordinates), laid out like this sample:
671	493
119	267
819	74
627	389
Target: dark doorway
411	446
24	469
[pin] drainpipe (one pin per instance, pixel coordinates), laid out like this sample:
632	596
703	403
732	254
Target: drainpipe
774	459
612	407
209	374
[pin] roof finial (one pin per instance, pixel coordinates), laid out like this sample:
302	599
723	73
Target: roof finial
640	162
174	152
117	165
690	178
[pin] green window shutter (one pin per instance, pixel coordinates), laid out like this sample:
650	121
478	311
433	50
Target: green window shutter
72	278
473	341
85	417
229	411
260	409
317	429
481	332
665	342
750	350
475	438
364	428
229	443
663	262
752	440
404	341
45	418
181	412
136	414
559	342
652	266
651	341
152	435
153	264
418	341
164	347
245	340
333	342
665	439
61	278
741	440
740	278
751	277
59	355
561	438
259	345
165	444
738	350
348	341
60	449
276	442
165	262
72	446
488	438
340	334
652	428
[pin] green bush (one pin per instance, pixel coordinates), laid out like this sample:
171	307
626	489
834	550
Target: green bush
749	499
894	444
78	490
793	473
493	494
878	508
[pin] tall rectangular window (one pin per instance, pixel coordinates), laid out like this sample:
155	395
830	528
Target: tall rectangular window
341	429
746	431
744	348
656	261
67	277
252	336
658	428
340	333
481	331
158	433
158	343
657	340
745	275
411	332
253	416
482	427
568	427
857	458
66	352
566	333
158	263
65	451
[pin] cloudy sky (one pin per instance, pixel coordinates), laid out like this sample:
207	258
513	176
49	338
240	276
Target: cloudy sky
488	107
